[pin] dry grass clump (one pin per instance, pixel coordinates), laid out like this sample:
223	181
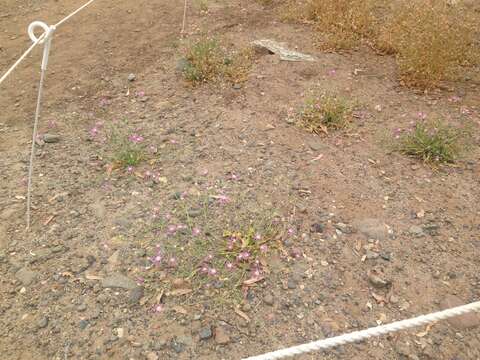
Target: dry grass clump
343	22
431	39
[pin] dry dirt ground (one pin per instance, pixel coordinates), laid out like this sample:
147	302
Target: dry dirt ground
357	235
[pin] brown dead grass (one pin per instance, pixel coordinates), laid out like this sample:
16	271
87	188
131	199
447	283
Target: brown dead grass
431	40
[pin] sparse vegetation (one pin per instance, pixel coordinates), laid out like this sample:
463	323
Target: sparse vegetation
208	61
128	155
434	142
323	113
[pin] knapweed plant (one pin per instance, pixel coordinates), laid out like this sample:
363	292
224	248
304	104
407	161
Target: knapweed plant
432	142
323	113
207	60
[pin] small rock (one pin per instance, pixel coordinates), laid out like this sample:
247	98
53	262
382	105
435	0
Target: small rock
461	322
135	295
371	255
43	322
221	336
291	283
51	138
268	299
177	346
237	86
377	281
317	228
205	333
416	231
25	276
344	228
151	356
119	281
372	228
82	307
131	77
82	324
193	213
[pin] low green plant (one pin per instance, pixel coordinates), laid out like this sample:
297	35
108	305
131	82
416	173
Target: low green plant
433	142
324	113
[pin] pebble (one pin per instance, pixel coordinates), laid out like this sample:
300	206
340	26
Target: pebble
135	295
291	283
26	276
269	299
151	356
82	307
205	333
177	346
51	138
83	324
119	281
372	228
317	228
221	336
43	322
377	281
416	231
131	77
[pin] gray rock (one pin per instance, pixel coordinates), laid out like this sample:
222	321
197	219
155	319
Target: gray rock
131	77
269	299
26	277
291	283
205	333
315	144
317	228
193	213
371	255
178	347
43	322
372	228
51	138
344	228
416	231
81	307
83	324
119	281
135	295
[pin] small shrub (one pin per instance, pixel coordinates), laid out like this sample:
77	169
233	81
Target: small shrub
129	155
432	142
324	113
207	61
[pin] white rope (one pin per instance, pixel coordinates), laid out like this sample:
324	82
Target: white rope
368	333
20	59
39	40
184	17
